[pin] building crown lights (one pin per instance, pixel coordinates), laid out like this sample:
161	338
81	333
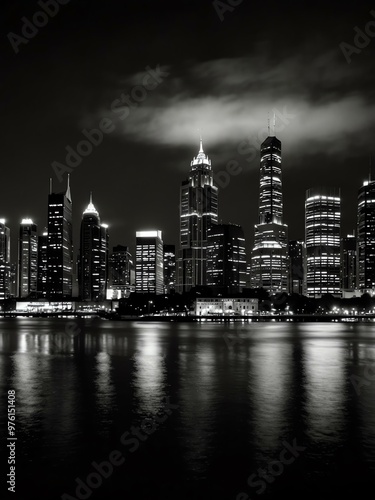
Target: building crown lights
90	208
148	234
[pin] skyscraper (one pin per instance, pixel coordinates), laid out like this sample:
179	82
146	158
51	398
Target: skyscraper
169	268
366	237
93	256
60	245
149	272
269	259
226	258
322	231
198	212
121	272
348	263
42	287
4	260
27	259
297	255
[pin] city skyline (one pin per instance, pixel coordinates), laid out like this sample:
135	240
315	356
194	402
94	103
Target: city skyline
247	72
211	253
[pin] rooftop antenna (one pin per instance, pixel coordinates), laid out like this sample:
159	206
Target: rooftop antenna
50	185
274	122
91	197
68	194
269	133
200	141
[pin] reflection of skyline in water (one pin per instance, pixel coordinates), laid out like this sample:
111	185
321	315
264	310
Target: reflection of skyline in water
238	404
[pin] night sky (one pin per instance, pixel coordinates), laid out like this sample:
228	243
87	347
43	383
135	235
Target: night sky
224	77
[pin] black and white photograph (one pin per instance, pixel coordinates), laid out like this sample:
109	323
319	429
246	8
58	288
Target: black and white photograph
187	250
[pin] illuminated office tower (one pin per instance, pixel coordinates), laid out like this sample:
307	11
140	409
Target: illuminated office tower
322	236
27	259
348	263
42	265
60	245
269	259
226	258
121	273
169	268
149	272
93	256
297	255
4	260
198	212
366	237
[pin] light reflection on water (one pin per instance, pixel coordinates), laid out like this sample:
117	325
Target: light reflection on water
76	394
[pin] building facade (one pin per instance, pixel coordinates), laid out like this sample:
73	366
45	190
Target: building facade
149	271
42	285
226	258
226	306
4	260
348	263
322	236
297	256
121	273
169	268
93	256
269	259
366	237
198	212
27	259
60	245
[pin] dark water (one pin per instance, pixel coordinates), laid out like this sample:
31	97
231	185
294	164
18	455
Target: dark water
241	393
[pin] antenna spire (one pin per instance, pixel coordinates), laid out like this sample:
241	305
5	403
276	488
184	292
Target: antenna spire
200	141
268	121
68	194
50	185
274	122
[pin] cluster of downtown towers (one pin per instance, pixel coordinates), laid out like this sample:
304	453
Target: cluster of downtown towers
209	254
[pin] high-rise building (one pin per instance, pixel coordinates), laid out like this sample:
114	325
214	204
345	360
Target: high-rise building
269	259
198	212
297	255
149	272
27	259
4	260
121	273
322	236
366	237
226	258
13	280
169	268
42	285
93	256
60	245
348	263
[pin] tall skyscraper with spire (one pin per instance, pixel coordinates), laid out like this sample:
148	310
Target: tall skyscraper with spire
59	245
198	212
269	260
93	256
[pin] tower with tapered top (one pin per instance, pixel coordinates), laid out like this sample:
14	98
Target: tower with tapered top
59	245
93	256
269	260
198	212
